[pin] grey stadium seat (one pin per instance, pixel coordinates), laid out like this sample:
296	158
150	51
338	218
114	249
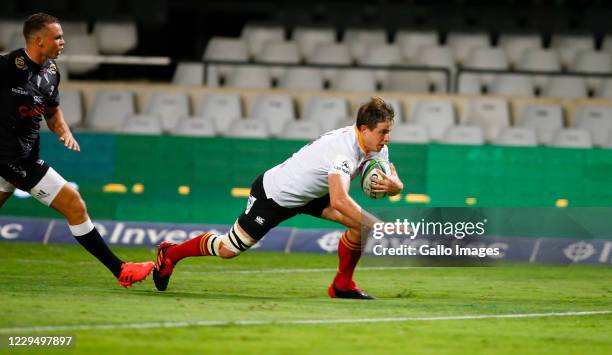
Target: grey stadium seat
595	119
571	138
569	45
256	36
188	73
194	127
71	103
275	110
249	76
463	43
565	86
226	49
516	44
463	135
115	37
143	124
435	115
307	38
492	114
326	110
354	80
409	133
110	109
170	106
409	42
301	130
544	119
79	46
512	85
248	129
517	136
7	29
222	109
302	78
330	53
358	38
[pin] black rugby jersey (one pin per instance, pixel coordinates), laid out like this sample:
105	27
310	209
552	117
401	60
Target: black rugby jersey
27	89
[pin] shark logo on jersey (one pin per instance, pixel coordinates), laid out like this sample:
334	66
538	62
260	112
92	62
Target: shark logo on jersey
20	63
250	203
52	69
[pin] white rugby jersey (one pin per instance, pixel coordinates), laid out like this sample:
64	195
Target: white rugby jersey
303	177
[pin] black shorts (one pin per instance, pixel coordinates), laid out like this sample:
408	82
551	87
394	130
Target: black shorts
24	174
263	214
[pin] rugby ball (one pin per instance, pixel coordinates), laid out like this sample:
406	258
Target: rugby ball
369	173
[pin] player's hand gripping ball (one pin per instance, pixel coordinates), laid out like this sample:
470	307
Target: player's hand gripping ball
370	174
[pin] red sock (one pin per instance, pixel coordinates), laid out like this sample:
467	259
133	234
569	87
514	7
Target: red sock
192	247
348	255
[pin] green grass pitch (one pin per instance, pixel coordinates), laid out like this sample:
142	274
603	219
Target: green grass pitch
62	286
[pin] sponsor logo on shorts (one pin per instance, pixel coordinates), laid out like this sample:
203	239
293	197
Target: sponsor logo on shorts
19	90
41	194
260	220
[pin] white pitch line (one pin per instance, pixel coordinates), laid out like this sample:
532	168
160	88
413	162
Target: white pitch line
212	323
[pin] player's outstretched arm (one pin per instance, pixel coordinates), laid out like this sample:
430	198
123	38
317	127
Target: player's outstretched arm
344	203
57	125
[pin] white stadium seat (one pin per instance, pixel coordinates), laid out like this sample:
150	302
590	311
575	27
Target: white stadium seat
381	55
301	129
571	138
188	73
409	81
437	56
276	110
512	85
469	84
331	53
463	135
248	129
605	89
226	49
516	44
435	115
595	119
358	38
307	38
169	106
195	127
79	46
409	42
256	36
565	86
117	37
142	124
409	133
569	45
302	78
534	59
326	110
279	52
492	114
486	58
110	109
463	43
544	119
517	136
71	103
222	109
354	80
7	29
249	76
591	61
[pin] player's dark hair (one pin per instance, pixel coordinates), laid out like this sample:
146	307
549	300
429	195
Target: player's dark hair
37	22
374	111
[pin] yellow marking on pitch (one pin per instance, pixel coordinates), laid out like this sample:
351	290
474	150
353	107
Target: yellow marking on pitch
138	188
241	192
184	190
471	201
114	188
395	198
417	198
562	203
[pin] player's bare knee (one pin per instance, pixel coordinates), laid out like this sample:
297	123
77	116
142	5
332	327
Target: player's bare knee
78	209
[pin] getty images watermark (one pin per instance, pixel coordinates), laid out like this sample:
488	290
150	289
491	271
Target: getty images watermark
405	229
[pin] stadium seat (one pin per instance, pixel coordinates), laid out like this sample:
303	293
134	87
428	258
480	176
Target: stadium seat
221	109
437	56
276	110
249	76
110	109
486	58
354	80
188	73
143	124
381	55
534	59
409	82
71	28
330	53
569	45
302	78
462	44
463	135
226	49
326	110
307	38
571	138
301	129
511	85
517	136
248	129
17	41
256	36
72	106
565	86
409	42
115	37
80	46
279	52
435	115
409	133
605	90
590	61
358	38
516	44
397	109
195	127
469	84
7	29
595	119
544	119
169	106
492	114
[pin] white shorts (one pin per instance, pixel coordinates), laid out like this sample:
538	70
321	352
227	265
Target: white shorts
45	191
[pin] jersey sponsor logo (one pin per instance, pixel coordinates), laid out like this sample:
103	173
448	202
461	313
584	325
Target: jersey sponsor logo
36	111
38	99
19	90
250	203
260	220
20	63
